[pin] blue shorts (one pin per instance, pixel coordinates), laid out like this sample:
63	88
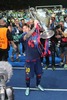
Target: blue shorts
33	67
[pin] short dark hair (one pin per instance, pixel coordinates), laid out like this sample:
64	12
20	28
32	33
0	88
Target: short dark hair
25	24
22	19
65	17
57	27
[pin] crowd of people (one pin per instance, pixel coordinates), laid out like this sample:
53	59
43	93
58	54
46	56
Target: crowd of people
15	31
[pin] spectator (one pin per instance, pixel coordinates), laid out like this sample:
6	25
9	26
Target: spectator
52	23
16	38
5	40
65	22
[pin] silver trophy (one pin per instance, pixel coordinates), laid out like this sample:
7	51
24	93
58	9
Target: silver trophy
5	75
43	18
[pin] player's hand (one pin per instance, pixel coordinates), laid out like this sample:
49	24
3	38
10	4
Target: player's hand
36	23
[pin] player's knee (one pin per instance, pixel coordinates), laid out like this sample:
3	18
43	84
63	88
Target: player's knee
39	76
27	78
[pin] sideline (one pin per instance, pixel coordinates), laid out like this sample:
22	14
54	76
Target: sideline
36	89
22	68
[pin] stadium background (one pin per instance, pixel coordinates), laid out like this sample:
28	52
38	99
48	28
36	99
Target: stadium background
54	82
19	4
